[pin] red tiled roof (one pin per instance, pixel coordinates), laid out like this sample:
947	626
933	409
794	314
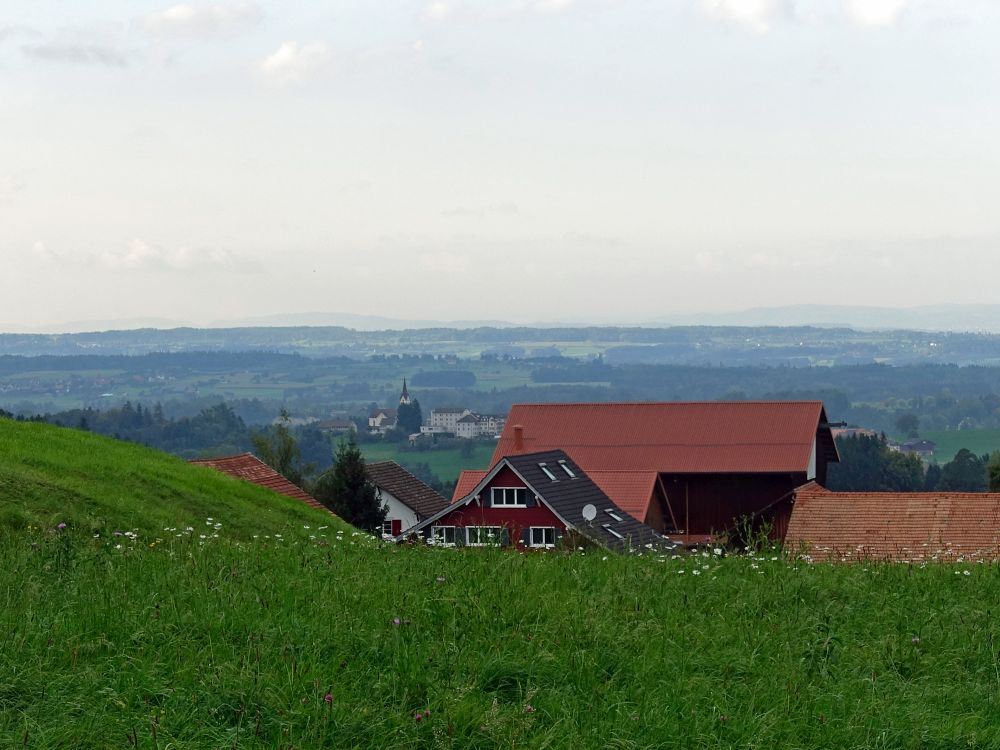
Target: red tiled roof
401	484
248	467
682	437
895	525
630	490
467	481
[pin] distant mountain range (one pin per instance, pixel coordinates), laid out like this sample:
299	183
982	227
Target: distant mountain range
958	318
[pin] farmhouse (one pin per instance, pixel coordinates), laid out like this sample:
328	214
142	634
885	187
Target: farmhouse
901	526
381	420
248	467
688	469
407	499
533	501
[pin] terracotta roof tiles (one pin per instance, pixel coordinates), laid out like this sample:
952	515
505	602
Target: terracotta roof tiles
895	525
248	467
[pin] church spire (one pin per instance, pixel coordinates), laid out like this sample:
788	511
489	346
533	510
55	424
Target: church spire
404	397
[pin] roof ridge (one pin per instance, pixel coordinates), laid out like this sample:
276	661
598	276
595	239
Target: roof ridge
659	403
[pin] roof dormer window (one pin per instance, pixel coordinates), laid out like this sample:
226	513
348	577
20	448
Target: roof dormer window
548	472
569	472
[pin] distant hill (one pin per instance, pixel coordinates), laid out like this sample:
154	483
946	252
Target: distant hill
51	474
961	318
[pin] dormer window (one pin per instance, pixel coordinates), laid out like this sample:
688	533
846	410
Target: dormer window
569	472
509	497
612	514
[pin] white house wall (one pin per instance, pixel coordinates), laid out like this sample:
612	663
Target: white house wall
397	510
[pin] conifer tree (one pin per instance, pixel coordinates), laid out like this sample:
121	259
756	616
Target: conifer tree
346	490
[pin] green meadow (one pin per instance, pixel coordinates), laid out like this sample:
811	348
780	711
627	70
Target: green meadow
446	464
225	622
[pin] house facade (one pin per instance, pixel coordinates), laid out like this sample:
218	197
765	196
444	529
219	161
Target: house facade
535	501
406	498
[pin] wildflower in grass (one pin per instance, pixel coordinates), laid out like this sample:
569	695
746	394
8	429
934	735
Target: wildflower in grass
118	533
396	621
915	640
328	698
717	551
60	526
427	713
696	572
418	717
440	579
529	709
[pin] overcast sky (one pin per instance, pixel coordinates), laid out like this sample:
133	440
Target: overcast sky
605	160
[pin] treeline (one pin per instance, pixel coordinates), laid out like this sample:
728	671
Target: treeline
868	464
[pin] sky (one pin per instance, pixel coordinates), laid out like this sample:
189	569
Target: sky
523	160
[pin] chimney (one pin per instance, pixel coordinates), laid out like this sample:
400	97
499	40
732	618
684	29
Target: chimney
518	437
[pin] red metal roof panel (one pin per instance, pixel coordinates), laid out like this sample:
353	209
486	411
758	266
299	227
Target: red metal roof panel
680	437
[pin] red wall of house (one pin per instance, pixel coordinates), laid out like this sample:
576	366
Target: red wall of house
514	519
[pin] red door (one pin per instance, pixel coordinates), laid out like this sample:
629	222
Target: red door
397	527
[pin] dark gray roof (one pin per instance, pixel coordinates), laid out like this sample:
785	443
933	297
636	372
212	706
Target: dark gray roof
568	496
390	476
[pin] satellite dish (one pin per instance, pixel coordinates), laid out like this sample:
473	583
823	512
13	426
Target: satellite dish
589	512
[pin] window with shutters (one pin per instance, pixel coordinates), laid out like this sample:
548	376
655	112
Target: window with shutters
509	497
543	536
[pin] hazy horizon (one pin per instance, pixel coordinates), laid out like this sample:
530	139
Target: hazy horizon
515	160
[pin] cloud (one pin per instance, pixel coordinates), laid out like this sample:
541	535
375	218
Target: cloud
757	14
444	262
41	251
77	53
495	209
292	63
442	10
8	186
204	20
876	12
139	255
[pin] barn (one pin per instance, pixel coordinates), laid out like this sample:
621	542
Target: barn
692	470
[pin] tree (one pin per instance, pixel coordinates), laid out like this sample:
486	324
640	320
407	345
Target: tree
867	464
966	472
907	424
346	490
409	417
993	471
278	449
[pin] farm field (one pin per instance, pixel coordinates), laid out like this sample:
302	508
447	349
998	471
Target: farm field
445	464
950	442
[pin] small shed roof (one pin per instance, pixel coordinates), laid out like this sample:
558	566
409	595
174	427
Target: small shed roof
248	467
405	487
900	526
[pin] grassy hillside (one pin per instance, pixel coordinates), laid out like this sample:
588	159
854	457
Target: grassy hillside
50	475
272	632
339	643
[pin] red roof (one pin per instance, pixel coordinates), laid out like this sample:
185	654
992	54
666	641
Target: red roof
631	491
250	468
684	437
895	525
467	481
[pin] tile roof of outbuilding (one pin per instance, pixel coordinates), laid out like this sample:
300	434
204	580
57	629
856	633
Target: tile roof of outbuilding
673	437
406	488
248	467
467	481
632	491
895	525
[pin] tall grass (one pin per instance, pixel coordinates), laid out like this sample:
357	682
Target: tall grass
320	639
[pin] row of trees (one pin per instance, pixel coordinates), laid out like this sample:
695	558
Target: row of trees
868	464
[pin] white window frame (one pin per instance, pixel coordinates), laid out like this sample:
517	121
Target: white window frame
387	524
543	529
607	528
569	472
442	540
613	514
548	472
503	494
496	530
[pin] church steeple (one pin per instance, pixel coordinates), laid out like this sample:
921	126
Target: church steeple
404	397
